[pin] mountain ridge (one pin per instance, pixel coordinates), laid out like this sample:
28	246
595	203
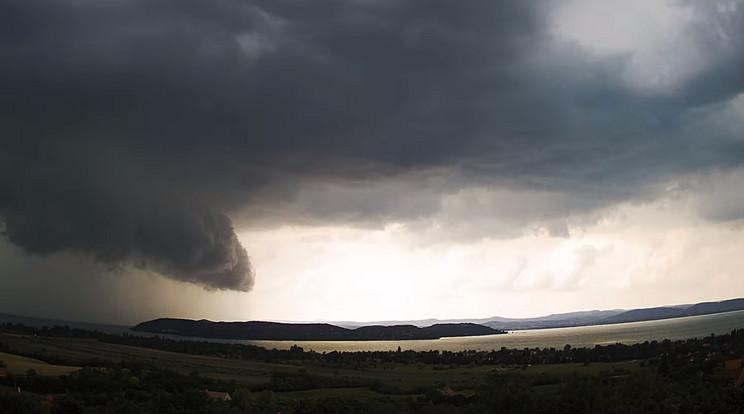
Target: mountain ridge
409	330
583	318
260	330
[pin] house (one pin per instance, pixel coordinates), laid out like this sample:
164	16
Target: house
48	400
736	368
734	364
9	390
447	391
218	396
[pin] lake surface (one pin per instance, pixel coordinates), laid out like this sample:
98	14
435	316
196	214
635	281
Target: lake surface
582	336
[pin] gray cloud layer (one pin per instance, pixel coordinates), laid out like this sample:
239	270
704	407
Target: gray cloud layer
129	127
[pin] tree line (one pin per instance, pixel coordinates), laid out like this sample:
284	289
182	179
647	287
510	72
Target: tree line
677	377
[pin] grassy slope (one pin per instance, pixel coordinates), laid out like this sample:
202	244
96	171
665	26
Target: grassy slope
20	365
253	372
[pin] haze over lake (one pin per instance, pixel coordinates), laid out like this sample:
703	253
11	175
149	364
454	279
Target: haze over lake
582	336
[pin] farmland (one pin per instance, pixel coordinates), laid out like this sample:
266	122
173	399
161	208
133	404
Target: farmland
158	375
16	364
405	376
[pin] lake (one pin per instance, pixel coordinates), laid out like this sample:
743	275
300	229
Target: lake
582	336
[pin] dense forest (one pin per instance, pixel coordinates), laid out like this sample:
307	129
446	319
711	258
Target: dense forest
672	377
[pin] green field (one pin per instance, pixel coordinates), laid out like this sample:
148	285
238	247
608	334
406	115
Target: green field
400	376
242	371
658	377
17	364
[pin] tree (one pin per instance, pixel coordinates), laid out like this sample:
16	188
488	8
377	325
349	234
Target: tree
262	402
22	403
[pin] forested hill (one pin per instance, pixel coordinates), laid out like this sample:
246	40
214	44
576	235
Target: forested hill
413	329
703	308
256	330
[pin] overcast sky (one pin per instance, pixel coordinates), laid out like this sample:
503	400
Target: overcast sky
368	160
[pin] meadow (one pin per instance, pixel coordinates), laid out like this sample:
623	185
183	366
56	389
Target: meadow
404	376
16	364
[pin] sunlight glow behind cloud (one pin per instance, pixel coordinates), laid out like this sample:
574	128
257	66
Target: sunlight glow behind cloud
641	254
369	160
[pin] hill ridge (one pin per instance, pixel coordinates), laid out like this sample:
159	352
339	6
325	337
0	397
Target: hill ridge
408	330
261	330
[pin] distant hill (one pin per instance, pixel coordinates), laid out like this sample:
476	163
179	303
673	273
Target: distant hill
620	316
552	321
706	308
650	314
422	329
257	330
583	318
669	312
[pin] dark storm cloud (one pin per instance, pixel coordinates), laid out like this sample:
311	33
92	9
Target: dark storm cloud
50	207
129	126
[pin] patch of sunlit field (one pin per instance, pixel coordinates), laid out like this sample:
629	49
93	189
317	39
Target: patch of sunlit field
16	364
79	351
406	378
245	372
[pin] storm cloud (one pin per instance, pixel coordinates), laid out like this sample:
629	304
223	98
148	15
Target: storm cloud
131	130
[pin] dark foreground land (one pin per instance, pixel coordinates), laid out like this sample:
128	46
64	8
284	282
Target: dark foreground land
63	370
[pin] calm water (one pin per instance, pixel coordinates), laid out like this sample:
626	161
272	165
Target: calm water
583	336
